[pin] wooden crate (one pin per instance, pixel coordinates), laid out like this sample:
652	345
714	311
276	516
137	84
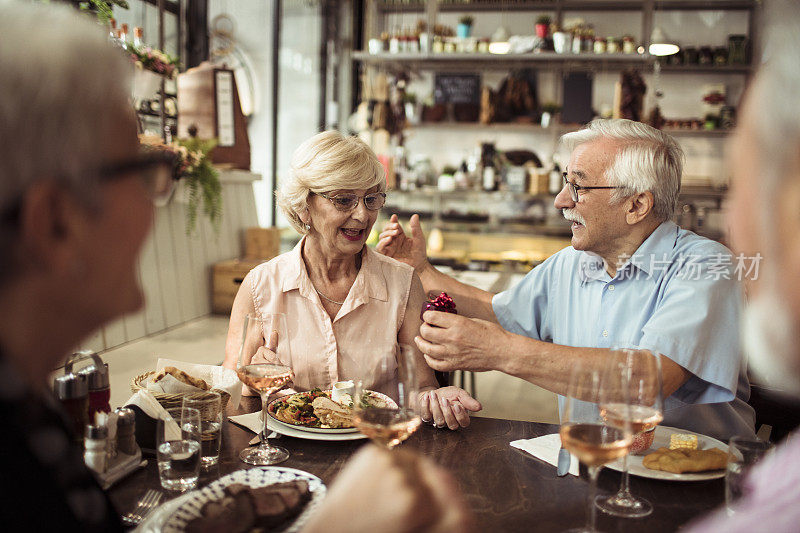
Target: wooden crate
227	278
261	243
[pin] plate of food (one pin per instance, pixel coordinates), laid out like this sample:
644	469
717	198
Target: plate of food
315	411
678	455
268	498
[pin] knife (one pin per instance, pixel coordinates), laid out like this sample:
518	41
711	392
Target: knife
564	460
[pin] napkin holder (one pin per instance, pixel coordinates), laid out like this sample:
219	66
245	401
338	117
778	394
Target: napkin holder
145	431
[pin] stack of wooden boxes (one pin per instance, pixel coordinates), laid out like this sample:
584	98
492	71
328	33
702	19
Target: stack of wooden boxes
261	244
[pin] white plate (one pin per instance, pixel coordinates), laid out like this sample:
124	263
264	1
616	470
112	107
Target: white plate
324	431
252	422
661	440
173	516
291	431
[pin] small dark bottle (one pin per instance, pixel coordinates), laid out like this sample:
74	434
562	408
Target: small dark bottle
73	393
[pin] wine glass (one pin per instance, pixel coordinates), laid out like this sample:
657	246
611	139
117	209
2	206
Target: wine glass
388	425
265	365
646	410
587	435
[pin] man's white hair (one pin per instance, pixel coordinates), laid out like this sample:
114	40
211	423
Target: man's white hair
328	161
649	160
59	78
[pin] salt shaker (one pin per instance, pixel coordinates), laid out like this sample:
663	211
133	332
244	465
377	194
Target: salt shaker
73	393
126	431
95	455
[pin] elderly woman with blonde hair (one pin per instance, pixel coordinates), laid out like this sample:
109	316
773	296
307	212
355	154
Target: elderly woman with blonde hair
347	306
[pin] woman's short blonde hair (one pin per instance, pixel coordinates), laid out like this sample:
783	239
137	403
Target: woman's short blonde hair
328	161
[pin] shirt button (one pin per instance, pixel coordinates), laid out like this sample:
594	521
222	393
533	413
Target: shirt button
611	287
605	333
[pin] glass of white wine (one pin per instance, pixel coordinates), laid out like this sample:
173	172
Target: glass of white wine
388	425
587	435
646	410
265	365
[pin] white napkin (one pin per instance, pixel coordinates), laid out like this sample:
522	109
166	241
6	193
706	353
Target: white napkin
217	376
145	401
546	448
251	421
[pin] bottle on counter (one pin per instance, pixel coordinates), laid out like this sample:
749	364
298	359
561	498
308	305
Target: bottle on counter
72	392
137	36
489	177
94	454
123	36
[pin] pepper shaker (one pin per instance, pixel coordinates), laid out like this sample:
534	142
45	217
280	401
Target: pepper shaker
126	431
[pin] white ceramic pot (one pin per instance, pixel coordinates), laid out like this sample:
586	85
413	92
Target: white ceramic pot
562	42
146	83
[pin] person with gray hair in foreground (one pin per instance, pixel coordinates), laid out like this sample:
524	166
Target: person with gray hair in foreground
76	204
632	278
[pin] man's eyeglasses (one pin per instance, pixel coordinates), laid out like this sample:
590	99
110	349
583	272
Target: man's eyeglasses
348	201
155	170
574	187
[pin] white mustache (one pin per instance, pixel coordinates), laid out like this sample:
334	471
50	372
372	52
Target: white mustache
573	216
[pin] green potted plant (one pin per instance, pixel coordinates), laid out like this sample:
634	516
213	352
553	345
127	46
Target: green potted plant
543	26
464	28
197	179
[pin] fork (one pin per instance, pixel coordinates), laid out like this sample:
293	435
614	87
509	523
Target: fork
143	507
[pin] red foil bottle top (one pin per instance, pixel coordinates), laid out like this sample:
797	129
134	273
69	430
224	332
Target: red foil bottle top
442	303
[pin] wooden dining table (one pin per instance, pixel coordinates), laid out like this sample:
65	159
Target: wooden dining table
506	488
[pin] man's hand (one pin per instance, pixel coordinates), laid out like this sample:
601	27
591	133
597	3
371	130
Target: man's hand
447	406
394	242
403	492
452	342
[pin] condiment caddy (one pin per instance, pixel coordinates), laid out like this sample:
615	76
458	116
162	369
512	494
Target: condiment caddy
110	448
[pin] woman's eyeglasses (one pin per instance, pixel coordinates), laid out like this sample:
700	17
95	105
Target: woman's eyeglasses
348	201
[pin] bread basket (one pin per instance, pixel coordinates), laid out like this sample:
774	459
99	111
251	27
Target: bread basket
169	401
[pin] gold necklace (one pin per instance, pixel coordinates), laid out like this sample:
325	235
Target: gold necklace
325	297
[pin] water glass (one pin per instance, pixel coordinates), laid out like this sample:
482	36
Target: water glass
743	453
210	407
178	448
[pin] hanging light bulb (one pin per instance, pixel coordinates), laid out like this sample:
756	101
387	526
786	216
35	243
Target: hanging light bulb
660	45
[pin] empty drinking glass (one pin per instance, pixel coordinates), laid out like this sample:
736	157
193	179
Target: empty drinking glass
178	448
210	406
743	453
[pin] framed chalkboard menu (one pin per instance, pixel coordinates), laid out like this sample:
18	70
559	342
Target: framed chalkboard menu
457	88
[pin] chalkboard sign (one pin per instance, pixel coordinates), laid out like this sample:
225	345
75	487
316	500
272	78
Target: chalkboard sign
457	88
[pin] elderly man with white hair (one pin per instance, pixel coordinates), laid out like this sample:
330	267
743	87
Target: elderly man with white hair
632	277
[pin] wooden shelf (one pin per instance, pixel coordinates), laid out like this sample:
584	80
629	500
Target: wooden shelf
449	61
485	61
569	5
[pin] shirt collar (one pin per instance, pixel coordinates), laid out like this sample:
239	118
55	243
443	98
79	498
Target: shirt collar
657	247
369	281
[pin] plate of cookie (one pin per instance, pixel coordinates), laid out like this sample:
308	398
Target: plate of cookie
678	455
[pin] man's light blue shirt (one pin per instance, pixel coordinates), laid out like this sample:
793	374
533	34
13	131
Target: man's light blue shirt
678	295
